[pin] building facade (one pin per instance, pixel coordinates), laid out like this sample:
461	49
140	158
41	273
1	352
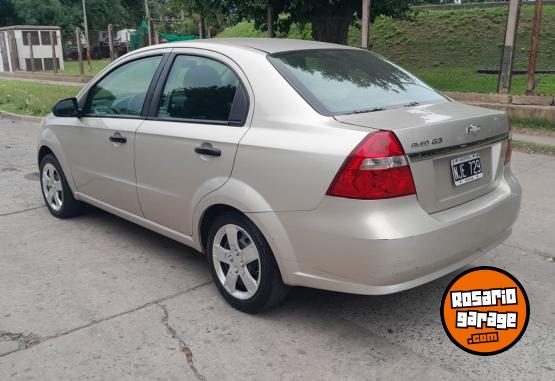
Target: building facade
15	52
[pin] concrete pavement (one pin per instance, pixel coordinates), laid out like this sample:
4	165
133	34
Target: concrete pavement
97	297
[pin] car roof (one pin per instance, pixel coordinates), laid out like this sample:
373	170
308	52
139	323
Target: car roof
268	45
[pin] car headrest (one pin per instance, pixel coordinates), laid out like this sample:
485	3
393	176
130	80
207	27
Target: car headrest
202	76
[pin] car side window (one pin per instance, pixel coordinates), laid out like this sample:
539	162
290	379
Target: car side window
198	88
123	91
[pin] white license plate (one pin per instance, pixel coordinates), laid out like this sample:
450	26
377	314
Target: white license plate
466	168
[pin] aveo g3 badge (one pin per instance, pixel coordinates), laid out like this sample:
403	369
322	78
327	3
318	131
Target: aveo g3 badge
485	311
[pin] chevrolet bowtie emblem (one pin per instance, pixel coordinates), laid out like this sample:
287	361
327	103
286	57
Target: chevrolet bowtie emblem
473	129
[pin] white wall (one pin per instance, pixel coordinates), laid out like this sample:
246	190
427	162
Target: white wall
39	51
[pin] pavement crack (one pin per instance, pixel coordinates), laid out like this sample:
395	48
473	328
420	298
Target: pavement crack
25	341
182	344
12	342
546	256
22	211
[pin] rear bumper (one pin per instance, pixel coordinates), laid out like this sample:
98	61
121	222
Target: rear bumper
386	246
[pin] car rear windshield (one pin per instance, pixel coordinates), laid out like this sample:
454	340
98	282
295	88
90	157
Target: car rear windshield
343	81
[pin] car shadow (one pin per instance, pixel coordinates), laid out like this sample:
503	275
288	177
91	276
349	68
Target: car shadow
383	312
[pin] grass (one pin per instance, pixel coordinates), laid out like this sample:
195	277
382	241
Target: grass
72	67
32	98
246	29
467	80
533	147
471	38
541	125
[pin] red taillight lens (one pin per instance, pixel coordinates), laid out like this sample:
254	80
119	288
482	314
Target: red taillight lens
377	168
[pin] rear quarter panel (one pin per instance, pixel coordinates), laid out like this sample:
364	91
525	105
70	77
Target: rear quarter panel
290	154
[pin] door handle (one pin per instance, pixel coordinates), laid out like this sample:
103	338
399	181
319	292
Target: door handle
117	138
207	149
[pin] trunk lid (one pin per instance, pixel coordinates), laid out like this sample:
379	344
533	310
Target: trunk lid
434	134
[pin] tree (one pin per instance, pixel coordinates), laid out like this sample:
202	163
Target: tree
7	13
68	13
211	13
330	19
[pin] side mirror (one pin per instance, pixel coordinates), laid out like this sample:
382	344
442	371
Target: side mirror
67	108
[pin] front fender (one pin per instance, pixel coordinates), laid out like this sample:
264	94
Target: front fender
48	138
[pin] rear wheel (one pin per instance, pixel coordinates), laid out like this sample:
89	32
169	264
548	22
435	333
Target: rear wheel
55	189
242	264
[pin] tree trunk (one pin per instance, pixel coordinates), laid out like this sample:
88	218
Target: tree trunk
201	27
270	21
331	29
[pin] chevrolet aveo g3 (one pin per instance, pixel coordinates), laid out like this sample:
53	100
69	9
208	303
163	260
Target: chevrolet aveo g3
287	163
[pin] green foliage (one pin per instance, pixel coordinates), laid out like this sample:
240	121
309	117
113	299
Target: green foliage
329	19
216	13
247	29
68	14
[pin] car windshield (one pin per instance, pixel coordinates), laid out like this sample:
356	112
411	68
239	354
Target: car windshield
343	81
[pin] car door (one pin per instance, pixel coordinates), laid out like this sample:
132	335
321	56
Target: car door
186	147
101	146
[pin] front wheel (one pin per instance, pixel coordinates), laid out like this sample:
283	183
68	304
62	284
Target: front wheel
243	265
55	189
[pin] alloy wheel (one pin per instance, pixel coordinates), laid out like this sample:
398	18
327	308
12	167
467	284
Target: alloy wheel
52	187
236	261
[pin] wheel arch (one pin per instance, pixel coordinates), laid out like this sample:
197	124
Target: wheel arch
208	217
49	144
269	225
43	151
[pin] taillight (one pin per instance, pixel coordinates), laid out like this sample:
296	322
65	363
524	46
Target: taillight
377	168
509	153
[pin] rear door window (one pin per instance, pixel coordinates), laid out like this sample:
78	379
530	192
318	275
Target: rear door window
198	88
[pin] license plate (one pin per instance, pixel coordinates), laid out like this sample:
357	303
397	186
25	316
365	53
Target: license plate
466	169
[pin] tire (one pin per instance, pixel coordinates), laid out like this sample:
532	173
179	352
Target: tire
55	190
223	260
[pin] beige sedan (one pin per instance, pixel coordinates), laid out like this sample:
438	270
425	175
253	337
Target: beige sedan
288	163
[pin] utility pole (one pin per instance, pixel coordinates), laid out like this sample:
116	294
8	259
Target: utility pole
147	10
86	25
111	41
201	27
508	55
148	23
365	41
534	48
79	51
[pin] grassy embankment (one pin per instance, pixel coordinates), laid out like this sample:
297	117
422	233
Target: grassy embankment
445	47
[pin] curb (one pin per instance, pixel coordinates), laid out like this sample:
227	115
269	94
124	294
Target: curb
535	139
19	117
504	99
